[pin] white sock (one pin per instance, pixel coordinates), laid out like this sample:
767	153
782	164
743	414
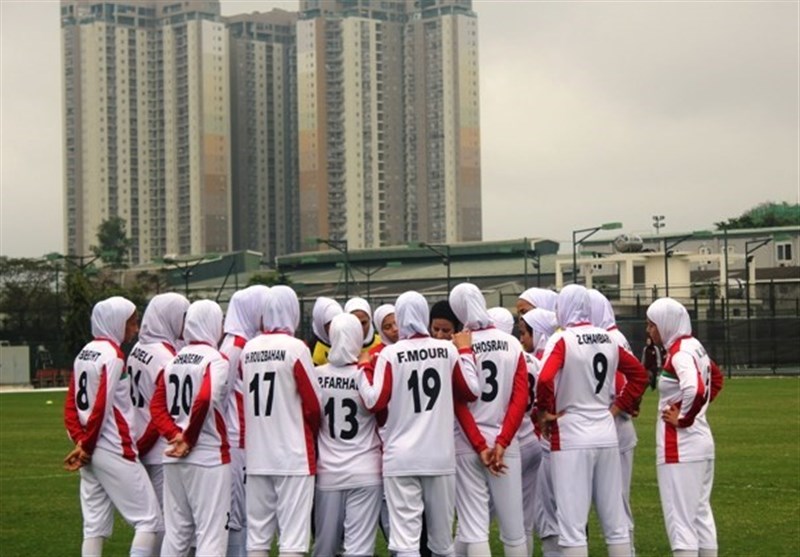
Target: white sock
257	553
92	547
708	552
550	547
685	553
579	551
480	549
235	539
619	550
530	545
144	544
516	550
282	554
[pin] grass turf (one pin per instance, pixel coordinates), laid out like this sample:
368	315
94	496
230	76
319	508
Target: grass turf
756	497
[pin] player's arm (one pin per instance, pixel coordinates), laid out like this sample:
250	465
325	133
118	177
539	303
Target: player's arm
517	404
159	413
692	391
717	380
375	394
309	390
72	420
468	381
552	363
636	380
467	422
109	376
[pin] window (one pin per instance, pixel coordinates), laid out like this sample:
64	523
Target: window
784	251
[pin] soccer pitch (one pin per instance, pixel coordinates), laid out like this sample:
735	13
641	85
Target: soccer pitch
756	497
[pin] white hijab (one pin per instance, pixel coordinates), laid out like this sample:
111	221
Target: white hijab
543	323
361	304
572	306
503	319
540	298
672	320
325	309
203	323
246	311
346	339
110	316
163	319
281	310
382	313
411	312
602	314
469	305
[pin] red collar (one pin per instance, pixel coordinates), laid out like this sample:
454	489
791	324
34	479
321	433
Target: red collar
108	340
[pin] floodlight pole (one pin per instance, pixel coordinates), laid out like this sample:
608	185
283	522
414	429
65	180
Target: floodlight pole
341	247
748	255
443	251
576	242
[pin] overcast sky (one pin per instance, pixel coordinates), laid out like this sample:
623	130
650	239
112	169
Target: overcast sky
590	112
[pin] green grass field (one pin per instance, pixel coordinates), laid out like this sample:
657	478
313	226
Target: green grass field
756	498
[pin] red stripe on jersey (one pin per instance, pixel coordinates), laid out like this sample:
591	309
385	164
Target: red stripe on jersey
717	380
199	409
671	455
71	418
545	390
311	412
159	413
124	436
516	405
460	388
386	390
169	347
97	416
222	430
636	379
700	398
239	342
555	436
240	409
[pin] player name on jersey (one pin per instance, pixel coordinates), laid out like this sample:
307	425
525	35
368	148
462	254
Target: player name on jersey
89	355
188	358
142	355
338	383
421	354
593	338
264	356
490	346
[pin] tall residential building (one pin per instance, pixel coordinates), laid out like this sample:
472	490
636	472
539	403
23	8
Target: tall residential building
264	130
388	121
147	126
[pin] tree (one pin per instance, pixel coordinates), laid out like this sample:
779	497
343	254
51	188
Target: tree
113	243
764	215
271	278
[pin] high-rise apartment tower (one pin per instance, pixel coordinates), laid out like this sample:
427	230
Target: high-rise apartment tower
147	124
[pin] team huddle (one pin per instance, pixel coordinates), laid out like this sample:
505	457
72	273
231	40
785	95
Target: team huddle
217	434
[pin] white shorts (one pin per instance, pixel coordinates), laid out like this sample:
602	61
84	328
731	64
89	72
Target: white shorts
349	514
580	475
546	521
406	497
111	481
238	509
279	504
156	474
474	487
685	489
626	466
531	458
196	503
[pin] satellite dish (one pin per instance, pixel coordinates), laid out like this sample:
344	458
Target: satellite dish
628	243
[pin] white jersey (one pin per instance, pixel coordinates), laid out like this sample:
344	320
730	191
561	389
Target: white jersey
415	380
526	434
582	360
626	432
499	410
145	362
232	346
349	447
686	383
282	406
98	412
191	397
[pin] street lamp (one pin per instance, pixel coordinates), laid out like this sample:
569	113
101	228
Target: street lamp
369	271
341	247
756	243
443	251
589	232
658	222
185	266
668	252
537	264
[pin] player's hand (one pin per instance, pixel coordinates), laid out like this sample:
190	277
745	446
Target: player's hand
178	447
498	466
671	414
76	458
486	459
364	357
545	421
462	339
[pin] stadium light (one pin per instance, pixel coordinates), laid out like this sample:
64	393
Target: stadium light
589	232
